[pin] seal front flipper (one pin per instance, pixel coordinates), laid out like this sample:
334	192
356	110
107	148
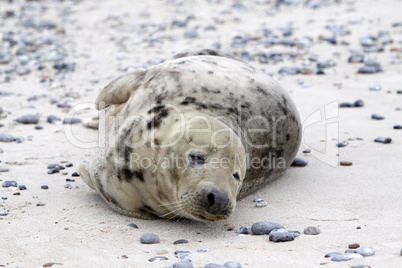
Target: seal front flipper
120	89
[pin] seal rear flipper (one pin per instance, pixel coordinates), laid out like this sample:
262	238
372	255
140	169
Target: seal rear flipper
83	171
120	89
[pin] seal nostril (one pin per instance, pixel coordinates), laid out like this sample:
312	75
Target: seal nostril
211	199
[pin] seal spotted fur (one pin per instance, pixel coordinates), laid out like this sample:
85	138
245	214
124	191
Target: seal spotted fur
188	137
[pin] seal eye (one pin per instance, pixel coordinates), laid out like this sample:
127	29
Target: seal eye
196	159
236	176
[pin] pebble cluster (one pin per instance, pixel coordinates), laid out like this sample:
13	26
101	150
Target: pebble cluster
355	251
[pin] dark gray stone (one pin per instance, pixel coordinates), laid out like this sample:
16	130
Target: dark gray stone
232	264
331	254
365	251
53	119
180	241
3	212
346	257
397	127
346	105
28	119
312	230
262	228
4	137
44	187
377	117
342	144
72	121
182	264
281	236
149	238
298	162
243	230
22	187
358	103
132	225
383	140
7	184
214	265
290	70
158	258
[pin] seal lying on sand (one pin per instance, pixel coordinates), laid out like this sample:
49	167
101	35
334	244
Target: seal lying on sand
188	137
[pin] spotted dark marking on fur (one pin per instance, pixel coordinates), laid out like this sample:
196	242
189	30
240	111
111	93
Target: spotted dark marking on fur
188	100
261	90
156	109
156	121
139	175
159	98
125	174
175	75
287	137
210	61
233	111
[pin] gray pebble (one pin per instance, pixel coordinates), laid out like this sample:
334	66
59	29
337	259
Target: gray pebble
214	265
149	238
257	200
397	127
346	105
375	87
158	258
190	34
361	266
73	180
312	230
261	228
3	212
44	187
7	184
346	257
281	236
19	139
38	127
232	264
383	140
350	251
342	144
298	162
203	250
367	70
40	204
377	117
4	169
306	151
365	251
22	187
132	225
261	204
72	121
182	264
325	64
4	137
290	70
357	58
68	186
53	119
400	252
23	70
331	254
180	241
28	119
358	103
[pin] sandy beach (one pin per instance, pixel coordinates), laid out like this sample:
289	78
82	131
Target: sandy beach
60	54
